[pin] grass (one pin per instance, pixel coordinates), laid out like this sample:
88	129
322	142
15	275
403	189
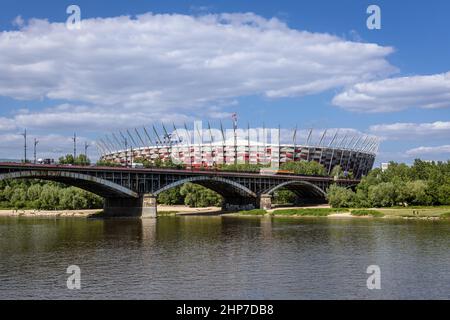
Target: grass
254	212
366	212
415	212
445	215
313	212
167	213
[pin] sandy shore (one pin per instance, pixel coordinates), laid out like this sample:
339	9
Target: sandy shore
426	214
47	213
179	209
185	210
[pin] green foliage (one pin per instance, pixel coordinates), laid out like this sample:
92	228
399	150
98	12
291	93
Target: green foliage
158	163
284	197
80	160
171	197
242	167
199	196
254	212
365	212
38	194
383	194
310	168
340	197
104	163
422	184
314	212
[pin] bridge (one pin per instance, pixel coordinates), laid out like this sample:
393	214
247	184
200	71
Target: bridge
133	192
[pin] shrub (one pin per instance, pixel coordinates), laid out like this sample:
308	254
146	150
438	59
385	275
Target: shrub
254	212
316	212
373	213
339	197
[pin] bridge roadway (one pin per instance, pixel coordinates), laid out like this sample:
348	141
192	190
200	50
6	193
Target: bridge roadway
133	191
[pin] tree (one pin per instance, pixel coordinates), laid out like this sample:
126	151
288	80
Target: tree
340	197
199	196
311	168
79	160
67	159
284	197
171	197
337	172
382	195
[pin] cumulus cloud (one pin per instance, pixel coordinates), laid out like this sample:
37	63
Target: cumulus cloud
49	146
395	94
429	151
86	118
412	131
177	62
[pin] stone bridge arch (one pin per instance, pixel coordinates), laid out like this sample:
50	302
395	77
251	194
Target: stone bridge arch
236	196
98	186
304	190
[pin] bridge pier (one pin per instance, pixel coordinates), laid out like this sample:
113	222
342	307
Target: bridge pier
265	201
143	207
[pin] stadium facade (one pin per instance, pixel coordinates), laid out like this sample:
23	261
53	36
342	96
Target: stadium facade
207	148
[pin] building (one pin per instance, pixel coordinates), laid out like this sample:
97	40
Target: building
207	148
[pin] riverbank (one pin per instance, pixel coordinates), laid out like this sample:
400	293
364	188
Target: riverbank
48	213
162	210
424	213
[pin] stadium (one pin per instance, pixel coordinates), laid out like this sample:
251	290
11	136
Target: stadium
208	148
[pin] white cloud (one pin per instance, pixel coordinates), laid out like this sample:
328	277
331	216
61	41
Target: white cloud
6	124
428	92
412	131
49	146
429	151
18	21
159	64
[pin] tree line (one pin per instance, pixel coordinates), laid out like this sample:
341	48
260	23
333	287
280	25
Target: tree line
422	184
45	195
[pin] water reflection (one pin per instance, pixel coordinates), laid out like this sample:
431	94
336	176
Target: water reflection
224	258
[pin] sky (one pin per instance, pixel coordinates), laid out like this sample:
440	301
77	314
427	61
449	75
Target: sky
311	64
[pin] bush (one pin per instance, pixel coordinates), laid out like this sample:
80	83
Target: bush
383	194
310	168
199	196
254	212
316	212
373	213
284	197
171	197
340	197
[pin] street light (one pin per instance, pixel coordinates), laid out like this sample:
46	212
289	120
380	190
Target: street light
86	146
24	134
36	141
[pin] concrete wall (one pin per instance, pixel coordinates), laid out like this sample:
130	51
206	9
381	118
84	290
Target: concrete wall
143	207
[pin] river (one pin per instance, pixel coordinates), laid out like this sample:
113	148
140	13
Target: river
224	258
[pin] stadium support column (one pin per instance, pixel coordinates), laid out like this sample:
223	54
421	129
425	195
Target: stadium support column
265	201
143	207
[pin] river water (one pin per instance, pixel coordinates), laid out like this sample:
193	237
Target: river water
224	258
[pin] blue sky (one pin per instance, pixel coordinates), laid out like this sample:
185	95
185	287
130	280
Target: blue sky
393	82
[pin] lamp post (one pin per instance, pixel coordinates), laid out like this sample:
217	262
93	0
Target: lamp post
36	141
86	146
24	134
74	146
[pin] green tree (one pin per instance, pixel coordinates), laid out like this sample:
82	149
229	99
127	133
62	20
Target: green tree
171	197
284	197
382	195
199	196
312	168
340	197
